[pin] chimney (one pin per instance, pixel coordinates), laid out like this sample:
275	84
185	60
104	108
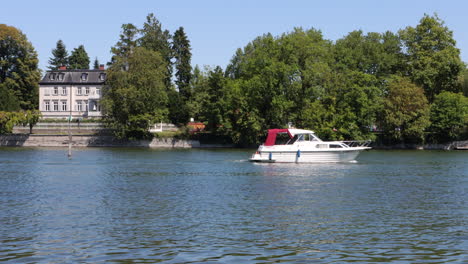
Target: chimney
101	67
63	67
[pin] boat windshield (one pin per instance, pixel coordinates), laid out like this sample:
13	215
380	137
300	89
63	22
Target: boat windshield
298	137
301	137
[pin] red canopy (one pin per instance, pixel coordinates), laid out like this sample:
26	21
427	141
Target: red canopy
271	138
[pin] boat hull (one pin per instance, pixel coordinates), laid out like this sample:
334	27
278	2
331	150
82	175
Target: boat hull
307	156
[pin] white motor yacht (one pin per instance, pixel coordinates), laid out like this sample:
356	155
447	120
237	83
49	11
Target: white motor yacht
304	146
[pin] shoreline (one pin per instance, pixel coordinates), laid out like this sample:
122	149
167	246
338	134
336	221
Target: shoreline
93	140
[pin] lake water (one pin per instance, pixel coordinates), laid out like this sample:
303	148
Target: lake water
211	206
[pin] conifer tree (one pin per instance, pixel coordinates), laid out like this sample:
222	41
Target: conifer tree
182	55
60	56
79	58
127	42
96	64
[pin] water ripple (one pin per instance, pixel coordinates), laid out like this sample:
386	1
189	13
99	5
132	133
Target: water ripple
211	206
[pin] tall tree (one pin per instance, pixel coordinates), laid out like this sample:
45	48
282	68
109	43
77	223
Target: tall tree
137	96
154	38
182	55
19	73
60	56
96	64
213	108
79	58
127	42
434	60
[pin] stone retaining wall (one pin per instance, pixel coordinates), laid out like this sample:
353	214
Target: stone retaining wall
34	140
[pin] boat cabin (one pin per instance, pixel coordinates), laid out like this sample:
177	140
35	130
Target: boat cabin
299	137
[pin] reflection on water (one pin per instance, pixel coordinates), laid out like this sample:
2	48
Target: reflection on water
178	206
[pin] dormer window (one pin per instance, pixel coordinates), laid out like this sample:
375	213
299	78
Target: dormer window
60	76
52	76
84	76
102	76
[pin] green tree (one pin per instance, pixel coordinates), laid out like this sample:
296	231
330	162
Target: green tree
60	56
96	64
127	42
267	82
356	99
136	96
154	38
30	118
405	112
178	101
213	112
19	73
374	53
308	57
433	58
449	116
182	55
79	58
200	93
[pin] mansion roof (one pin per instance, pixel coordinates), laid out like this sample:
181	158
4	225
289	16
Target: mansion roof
64	77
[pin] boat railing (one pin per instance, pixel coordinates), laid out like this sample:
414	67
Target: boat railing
357	143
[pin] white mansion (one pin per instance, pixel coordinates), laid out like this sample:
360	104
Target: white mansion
76	93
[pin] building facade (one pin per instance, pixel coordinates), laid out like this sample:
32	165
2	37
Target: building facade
76	93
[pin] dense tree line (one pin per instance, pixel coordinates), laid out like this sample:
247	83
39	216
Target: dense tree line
405	86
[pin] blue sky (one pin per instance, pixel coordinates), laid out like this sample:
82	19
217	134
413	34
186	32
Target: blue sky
217	28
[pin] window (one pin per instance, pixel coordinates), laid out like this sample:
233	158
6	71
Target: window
64	90
102	76
52	76
79	90
64	105
84	76
56	92
47	105
79	106
60	76
85	105
87	90
98	91
46	91
94	106
56	108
